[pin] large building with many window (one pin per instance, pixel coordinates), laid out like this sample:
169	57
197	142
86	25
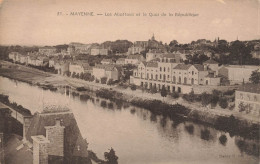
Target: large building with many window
170	72
247	99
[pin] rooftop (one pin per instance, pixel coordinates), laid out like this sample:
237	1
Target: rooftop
74	144
210	61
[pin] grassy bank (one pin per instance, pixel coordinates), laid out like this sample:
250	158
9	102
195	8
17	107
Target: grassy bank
228	124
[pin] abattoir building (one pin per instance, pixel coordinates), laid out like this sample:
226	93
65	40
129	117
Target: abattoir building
174	75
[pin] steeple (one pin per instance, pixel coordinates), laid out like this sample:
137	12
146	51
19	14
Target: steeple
153	37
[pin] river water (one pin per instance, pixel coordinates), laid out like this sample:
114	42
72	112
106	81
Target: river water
137	136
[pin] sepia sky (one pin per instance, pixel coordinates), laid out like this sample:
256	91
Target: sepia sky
35	22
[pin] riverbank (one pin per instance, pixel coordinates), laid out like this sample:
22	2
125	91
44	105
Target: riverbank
216	117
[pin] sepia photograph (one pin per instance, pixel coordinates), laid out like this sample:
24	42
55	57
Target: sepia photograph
130	82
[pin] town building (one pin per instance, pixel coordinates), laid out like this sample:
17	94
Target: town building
62	67
107	61
237	74
175	76
152	54
78	67
98	51
135	50
247	99
47	50
79	48
134	59
120	61
109	71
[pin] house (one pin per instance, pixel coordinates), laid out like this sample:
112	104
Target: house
120	61
98	51
79	67
152	54
109	71
237	74
212	64
41	61
107	61
47	50
256	54
247	99
174	76
31	60
13	56
134	59
62	67
135	50
55	138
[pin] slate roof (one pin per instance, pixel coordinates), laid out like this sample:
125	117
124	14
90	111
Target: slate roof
199	67
152	64
121	59
210	61
72	136
107	67
183	66
252	88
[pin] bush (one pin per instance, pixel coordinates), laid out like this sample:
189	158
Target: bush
205	99
223	103
97	81
103	80
175	95
110	82
223	139
133	87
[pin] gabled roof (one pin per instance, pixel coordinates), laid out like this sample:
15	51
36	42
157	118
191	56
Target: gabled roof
152	64
72	136
170	55
121	59
210	61
199	67
252	88
107	60
107	67
138	57
183	66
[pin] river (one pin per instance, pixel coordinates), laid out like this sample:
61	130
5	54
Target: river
137	136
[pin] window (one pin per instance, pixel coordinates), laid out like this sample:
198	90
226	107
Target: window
164	69
160	68
192	73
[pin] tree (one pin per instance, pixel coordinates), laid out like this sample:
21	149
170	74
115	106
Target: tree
163	91
111	157
255	77
103	80
110	82
223	103
205	99
133	87
240	52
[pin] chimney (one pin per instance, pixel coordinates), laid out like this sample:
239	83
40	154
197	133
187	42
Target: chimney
26	123
40	149
205	67
55	134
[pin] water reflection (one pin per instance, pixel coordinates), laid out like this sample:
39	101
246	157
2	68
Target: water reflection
137	135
